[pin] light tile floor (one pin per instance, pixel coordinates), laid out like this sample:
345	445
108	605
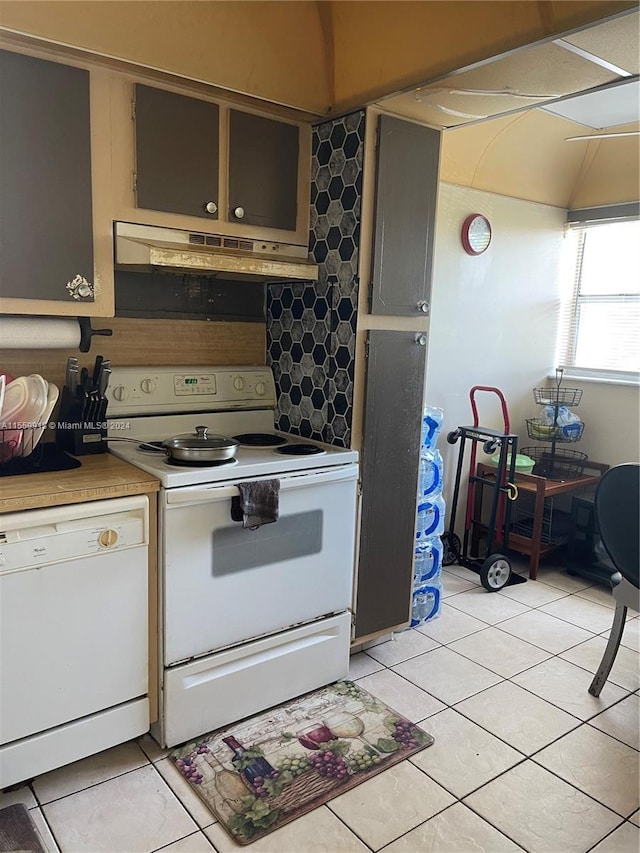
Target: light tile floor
524	758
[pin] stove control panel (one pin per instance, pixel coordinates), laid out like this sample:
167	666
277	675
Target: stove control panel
193	383
162	390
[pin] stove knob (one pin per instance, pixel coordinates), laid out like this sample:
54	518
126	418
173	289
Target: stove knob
148	386
238	383
260	388
120	393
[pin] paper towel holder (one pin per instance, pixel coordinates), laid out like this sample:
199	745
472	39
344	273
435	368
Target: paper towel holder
86	333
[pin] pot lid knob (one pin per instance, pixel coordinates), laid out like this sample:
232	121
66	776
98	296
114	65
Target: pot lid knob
201	432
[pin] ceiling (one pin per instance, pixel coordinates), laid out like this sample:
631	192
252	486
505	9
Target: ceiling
603	61
604	108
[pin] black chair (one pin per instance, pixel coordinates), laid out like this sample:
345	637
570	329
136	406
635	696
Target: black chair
617	511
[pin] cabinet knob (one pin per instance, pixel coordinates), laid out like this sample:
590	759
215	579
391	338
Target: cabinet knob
421	339
80	288
423	306
238	212
211	207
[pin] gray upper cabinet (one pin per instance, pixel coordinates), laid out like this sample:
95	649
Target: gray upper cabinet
177	161
177	141
263	171
46	227
405	202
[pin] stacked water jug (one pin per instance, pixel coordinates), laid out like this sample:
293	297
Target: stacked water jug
427	566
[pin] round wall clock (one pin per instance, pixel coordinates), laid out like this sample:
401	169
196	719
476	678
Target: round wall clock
476	234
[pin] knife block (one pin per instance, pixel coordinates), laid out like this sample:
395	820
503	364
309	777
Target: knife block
75	435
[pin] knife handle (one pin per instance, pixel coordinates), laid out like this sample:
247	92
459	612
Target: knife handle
96	371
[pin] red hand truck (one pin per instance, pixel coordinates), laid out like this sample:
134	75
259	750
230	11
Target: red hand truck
494	568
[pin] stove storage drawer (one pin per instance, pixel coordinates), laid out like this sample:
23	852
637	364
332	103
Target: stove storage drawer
224	584
208	693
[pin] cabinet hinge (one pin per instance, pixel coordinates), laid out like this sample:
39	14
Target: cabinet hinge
133	110
134	181
366	348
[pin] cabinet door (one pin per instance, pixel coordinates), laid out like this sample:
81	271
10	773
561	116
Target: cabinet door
389	470
177	141
46	228
406	190
263	171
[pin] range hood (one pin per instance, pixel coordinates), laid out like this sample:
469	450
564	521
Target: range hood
147	247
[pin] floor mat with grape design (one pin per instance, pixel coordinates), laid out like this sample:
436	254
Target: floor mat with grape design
259	774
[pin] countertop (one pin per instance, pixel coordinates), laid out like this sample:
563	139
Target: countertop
100	476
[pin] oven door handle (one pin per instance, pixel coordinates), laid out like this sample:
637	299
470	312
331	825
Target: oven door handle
190	494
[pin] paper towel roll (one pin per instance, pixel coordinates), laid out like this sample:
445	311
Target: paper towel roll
39	333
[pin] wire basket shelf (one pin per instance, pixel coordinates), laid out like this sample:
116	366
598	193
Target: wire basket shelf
538	430
557	396
556	464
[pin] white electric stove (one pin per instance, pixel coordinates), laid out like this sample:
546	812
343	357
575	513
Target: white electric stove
152	404
248	617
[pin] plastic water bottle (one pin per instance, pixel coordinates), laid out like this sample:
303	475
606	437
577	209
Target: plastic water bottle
434	600
430	520
419	606
432	418
427	560
425	603
430	473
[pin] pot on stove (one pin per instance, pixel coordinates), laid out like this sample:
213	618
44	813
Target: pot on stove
193	448
200	447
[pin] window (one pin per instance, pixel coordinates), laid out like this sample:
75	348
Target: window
600	328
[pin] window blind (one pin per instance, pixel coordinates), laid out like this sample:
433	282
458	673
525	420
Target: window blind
600	307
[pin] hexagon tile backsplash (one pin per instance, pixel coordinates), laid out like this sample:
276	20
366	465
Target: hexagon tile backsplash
311	326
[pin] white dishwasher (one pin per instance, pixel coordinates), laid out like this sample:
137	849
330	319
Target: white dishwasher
73	633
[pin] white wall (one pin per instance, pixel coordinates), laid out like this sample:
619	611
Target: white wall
494	320
494	316
611	415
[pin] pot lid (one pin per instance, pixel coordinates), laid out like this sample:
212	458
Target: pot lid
200	439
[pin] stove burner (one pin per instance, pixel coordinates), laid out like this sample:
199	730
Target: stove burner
151	447
220	463
260	439
299	450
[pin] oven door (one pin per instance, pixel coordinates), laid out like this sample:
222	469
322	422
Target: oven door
223	584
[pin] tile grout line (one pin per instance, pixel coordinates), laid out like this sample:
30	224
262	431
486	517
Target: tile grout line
579	722
50	828
182	838
585	793
91	785
346	825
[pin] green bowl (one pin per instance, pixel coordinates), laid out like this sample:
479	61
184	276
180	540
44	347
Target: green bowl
524	464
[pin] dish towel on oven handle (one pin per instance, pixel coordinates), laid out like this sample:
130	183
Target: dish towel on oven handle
257	503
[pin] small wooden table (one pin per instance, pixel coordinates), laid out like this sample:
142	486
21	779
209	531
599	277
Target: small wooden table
541	488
